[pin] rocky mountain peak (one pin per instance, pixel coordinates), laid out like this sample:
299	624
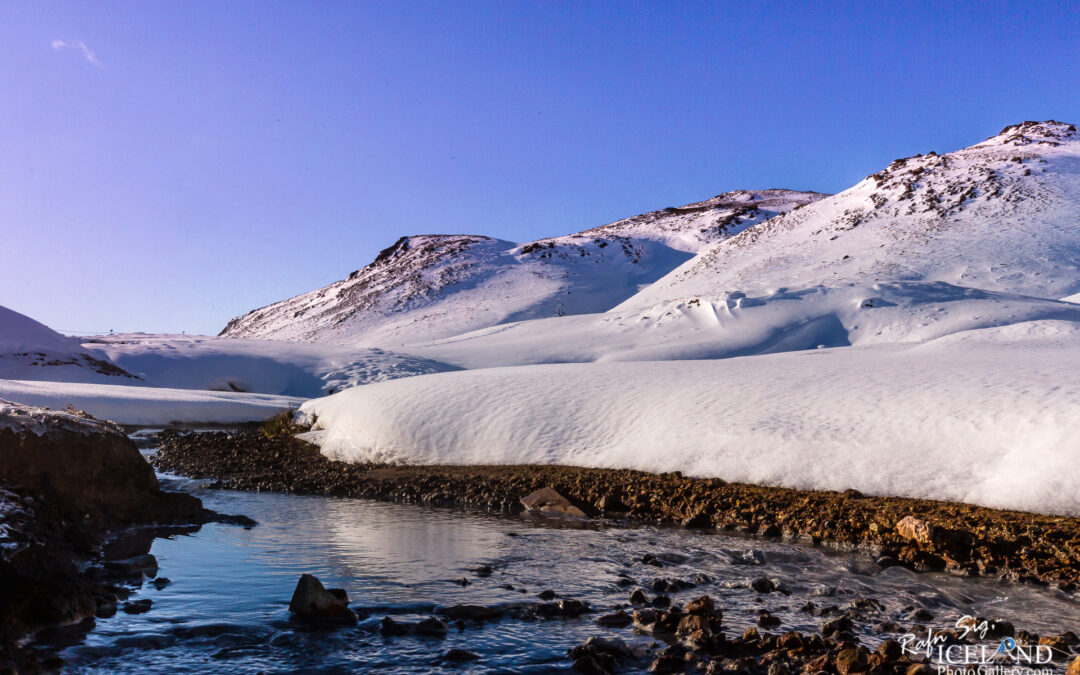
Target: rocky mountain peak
1050	132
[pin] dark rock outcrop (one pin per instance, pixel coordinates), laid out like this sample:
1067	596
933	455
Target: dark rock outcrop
70	483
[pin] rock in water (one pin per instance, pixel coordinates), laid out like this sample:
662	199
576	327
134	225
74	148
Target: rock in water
460	656
616	619
138	606
311	601
547	500
431	627
72	458
136	566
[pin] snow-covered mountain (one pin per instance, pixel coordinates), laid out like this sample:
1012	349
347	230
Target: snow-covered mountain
427	287
934	244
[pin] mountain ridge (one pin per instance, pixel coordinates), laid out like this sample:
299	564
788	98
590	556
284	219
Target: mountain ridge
434	286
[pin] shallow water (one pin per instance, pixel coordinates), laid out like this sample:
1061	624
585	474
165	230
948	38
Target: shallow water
226	609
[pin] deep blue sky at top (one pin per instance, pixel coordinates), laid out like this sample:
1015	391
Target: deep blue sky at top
199	159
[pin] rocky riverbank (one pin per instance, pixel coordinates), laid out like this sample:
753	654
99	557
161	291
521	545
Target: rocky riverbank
696	636
77	506
919	534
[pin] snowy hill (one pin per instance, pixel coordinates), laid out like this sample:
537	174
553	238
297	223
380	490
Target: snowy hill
1001	216
33	351
427	287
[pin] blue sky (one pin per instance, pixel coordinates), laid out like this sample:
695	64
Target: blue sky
165	166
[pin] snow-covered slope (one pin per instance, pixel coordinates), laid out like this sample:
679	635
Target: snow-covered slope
987	416
1001	216
263	366
733	324
428	287
33	351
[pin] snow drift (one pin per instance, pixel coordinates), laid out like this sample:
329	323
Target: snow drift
982	416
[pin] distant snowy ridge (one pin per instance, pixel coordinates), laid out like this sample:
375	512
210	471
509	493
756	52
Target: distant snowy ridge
428	287
32	350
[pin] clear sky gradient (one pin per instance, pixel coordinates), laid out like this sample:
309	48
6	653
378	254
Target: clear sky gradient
165	166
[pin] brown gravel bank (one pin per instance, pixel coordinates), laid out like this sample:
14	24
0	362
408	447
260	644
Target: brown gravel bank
920	534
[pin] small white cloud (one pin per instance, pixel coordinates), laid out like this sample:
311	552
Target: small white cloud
80	47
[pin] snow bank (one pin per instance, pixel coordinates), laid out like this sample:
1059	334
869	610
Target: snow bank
30	350
147	405
986	416
24	419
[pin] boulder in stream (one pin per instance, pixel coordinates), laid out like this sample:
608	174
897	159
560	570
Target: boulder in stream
313	602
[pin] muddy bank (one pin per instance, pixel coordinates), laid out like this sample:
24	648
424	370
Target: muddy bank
920	534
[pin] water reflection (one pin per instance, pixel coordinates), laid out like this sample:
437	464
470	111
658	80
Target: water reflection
226	608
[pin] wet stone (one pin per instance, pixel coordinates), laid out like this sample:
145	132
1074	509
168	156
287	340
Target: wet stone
311	601
767	620
763	585
390	628
431	627
460	656
616	619
547	500
137	606
668	664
